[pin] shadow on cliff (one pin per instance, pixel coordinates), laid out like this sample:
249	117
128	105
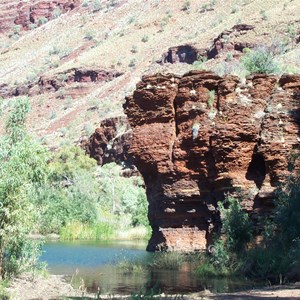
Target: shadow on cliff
257	169
296	112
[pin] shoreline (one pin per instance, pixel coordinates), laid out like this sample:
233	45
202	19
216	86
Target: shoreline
52	287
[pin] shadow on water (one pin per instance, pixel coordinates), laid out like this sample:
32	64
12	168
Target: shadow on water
97	266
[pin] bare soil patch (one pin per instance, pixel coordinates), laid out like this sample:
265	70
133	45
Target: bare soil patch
57	287
40	288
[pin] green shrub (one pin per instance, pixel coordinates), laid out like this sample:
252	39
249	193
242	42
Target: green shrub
234	9
287	214
265	263
4	295
134	202
211	98
132	63
208	270
54	51
17	28
85	3
220	256
260	61
14	126
186	6
264	15
96	5
53	115
280	251
145	38
42	20
226	253
90	35
134	49
22	255
32	26
237	225
57	12
70	160
23	166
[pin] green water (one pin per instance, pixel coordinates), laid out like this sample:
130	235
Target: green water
96	264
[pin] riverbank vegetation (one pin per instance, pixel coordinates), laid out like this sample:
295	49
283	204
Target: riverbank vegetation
236	253
277	256
62	192
66	193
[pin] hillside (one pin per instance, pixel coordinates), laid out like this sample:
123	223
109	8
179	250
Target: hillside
77	60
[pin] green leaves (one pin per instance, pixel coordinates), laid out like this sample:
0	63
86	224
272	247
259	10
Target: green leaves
70	160
23	164
44	193
260	61
237	225
15	124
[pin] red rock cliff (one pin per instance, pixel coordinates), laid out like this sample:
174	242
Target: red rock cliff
199	136
24	13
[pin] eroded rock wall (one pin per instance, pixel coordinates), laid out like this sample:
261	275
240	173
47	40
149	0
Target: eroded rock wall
110	142
227	42
53	83
198	137
24	13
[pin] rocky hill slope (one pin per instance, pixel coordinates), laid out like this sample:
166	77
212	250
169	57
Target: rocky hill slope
77	60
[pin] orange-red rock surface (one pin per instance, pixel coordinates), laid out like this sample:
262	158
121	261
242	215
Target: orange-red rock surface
61	80
224	43
24	13
198	137
110	142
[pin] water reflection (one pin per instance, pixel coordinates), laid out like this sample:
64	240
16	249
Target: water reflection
97	264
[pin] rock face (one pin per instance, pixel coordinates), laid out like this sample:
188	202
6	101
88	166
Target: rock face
198	137
182	54
110	142
53	84
61	80
226	42
25	13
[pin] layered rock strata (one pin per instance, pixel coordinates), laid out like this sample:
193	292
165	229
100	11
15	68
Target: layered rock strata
226	42
199	137
25	13
55	82
110	142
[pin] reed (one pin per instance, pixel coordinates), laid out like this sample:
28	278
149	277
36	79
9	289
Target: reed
134	233
169	260
79	231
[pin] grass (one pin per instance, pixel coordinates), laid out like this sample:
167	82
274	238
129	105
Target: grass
168	260
160	261
79	231
135	233
102	231
132	267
